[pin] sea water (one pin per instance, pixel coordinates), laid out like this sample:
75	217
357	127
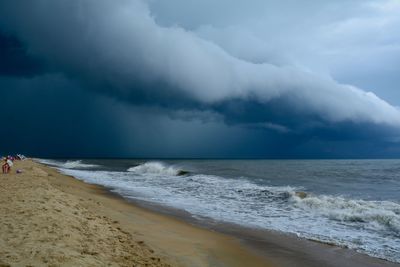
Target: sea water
350	203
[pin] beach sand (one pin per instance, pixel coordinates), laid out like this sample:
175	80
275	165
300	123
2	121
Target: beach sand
50	219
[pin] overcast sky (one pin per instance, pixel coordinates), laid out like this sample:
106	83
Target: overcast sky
190	78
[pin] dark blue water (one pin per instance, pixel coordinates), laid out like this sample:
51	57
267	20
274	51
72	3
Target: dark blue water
351	203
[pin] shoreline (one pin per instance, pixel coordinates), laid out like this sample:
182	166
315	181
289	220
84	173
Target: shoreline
283	249
178	239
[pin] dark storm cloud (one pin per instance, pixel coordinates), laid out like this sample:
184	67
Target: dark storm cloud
15	60
70	122
192	72
51	116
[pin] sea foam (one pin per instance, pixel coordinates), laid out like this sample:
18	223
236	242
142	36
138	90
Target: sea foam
155	167
69	164
373	214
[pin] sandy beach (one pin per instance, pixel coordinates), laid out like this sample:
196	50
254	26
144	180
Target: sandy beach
49	219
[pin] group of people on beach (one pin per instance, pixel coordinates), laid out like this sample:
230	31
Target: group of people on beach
9	162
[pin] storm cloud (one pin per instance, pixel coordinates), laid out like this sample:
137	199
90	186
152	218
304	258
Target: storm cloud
237	66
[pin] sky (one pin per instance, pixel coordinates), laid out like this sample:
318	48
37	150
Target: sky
200	79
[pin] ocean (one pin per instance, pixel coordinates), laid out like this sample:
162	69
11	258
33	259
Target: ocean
349	203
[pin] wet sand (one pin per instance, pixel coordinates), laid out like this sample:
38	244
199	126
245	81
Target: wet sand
52	219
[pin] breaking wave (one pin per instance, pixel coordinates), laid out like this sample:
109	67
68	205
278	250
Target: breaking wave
155	167
372	214
69	164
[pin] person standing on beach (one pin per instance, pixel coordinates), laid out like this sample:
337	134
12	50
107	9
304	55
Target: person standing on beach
6	166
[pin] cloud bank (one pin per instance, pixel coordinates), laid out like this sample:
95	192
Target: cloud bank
240	65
